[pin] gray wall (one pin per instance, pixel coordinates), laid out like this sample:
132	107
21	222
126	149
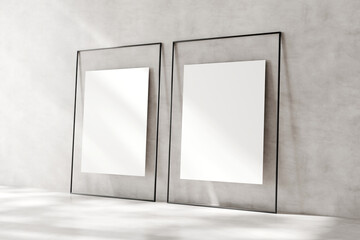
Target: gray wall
319	161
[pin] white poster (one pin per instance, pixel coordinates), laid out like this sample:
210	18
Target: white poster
115	121
223	122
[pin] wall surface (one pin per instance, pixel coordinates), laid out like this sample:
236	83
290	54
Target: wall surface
319	160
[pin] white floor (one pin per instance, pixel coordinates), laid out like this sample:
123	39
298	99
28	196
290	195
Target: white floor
38	214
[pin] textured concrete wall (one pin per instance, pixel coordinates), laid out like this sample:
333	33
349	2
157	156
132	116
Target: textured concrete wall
320	97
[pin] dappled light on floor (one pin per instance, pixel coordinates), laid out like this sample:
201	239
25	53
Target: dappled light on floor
38	214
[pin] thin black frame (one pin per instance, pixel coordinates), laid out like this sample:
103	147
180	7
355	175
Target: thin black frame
277	115
157	119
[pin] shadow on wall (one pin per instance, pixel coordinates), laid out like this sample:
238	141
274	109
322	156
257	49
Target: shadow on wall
288	129
37	214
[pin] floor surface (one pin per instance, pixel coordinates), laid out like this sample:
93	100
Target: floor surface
38	214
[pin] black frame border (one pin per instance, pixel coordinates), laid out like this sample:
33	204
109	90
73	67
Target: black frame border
277	115
157	119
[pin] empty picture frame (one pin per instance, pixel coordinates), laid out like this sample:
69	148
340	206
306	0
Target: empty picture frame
220	100
116	122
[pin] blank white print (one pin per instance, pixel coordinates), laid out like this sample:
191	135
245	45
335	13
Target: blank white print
223	122
115	121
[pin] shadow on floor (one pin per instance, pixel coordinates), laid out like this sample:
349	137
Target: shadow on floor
36	214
